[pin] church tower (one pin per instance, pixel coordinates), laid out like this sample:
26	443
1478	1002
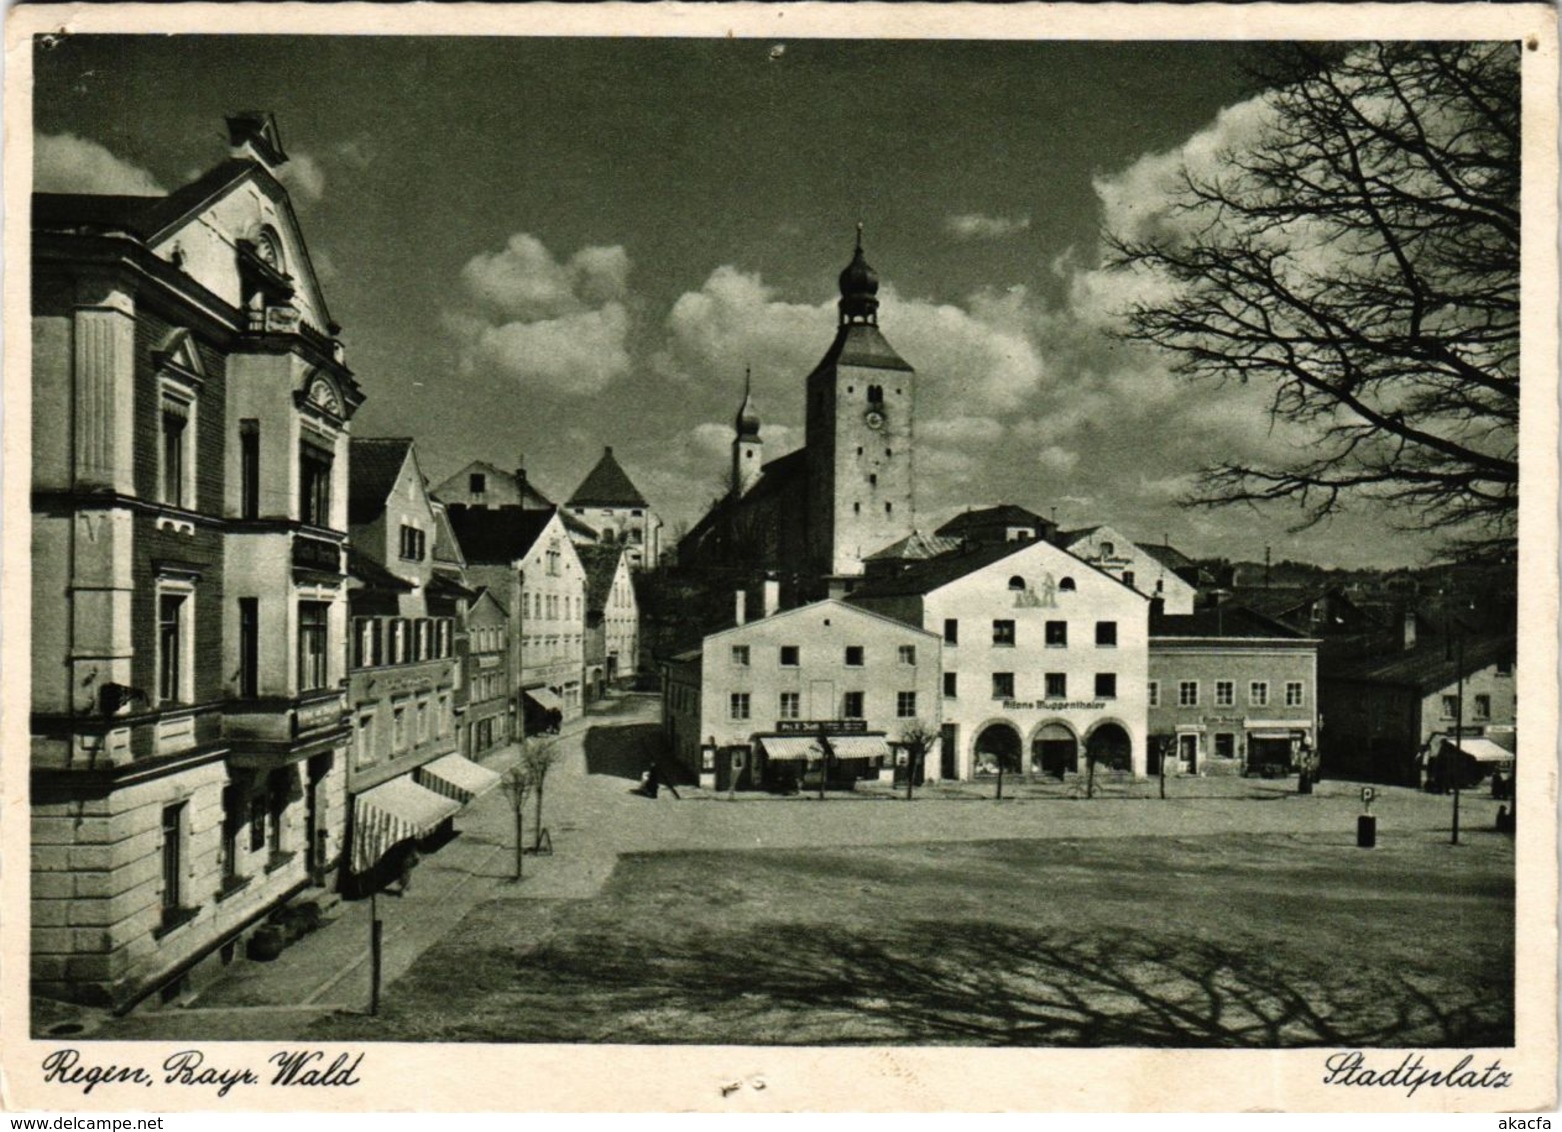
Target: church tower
859	430
747	448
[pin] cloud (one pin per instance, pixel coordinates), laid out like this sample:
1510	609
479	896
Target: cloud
303	178
357	152
553	326
977	226
65	163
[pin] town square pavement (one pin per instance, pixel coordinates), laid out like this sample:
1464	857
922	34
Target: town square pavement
592	817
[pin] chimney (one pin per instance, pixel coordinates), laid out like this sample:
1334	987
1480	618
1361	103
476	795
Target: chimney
742	607
1410	628
772	596
520	477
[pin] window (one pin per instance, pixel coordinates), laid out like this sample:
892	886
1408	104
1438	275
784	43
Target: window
249	469
1188	693
176	455
170	648
1017	584
1106	685
277	791
249	647
173	858
1482	705
738	705
1067	585
905	705
257	822
1154	688
950	685
851	706
789	656
1258	693
791	705
1106	634
414	543
889	508
856	508
477	484
1128	577
951	631
908	654
854	656
1003	633
1294	698
314	485
1505	667
1003	685
1057	634
873	479
1450	707
423	721
1225	745
1225	693
1057	685
232	822
1108	550
740	656
312	644
399	727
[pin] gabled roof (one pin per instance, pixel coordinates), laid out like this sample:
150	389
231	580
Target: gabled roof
607	485
374	576
844	607
1069	538
915	547
497	535
1168	556
1005	515
601	565
1430	665
925	577
531	497
1228	621
373	465
447	548
776	476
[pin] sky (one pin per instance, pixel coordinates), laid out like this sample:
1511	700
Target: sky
539	247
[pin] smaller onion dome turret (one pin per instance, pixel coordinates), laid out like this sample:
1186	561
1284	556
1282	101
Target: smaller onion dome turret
748	416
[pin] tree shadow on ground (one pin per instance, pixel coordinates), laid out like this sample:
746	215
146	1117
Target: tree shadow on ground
977	984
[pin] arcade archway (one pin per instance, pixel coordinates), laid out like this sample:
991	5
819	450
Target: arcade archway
997	745
1054	750
1109	747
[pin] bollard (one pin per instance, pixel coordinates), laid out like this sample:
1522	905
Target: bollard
1366	831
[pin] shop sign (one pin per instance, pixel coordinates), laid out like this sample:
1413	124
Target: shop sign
310	717
814	726
1054	705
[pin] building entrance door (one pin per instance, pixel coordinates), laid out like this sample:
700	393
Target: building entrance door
821	700
1188	753
948	748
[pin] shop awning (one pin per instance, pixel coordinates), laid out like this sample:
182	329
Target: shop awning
791	747
545	698
456	777
1286	735
1284	727
1482	750
859	746
391	813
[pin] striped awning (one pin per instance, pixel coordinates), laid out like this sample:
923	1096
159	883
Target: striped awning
859	746
781	747
393	812
456	777
545	698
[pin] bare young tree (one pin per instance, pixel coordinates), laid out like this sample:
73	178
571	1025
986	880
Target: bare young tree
517	783
538	757
917	737
1361	257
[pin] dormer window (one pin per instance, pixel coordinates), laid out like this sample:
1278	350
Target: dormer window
875	394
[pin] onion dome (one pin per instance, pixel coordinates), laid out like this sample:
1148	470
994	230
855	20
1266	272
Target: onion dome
748	416
859	289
